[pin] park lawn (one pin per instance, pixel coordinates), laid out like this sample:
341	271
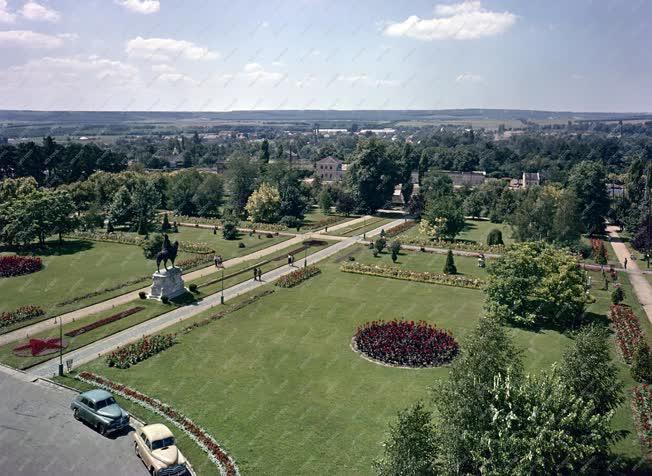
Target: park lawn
151	309
278	384
362	227
75	269
315	215
474	230
420	261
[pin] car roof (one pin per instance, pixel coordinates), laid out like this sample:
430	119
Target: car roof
156	431
96	395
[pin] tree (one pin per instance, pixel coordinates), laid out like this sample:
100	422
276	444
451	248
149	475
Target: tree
588	371
208	196
230	225
643	239
325	201
395	246
495	237
449	267
183	188
121	210
145	201
588	181
345	202
642	363
617	295
566	227
473	205
152	246
442	218
372	175
416	204
242	175
410	446
379	244
263	204
534	214
535	283
264	151
165	226
292	198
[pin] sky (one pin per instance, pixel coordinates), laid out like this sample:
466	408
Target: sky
214	55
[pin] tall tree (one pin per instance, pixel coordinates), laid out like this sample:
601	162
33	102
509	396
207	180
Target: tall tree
264	151
209	195
588	182
242	175
145	201
183	187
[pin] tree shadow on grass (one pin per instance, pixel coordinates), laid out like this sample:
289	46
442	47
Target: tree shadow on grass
52	248
567	328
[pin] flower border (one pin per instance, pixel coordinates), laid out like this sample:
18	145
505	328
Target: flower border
393	272
204	440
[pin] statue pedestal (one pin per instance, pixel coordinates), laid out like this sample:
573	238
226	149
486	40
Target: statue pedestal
167	283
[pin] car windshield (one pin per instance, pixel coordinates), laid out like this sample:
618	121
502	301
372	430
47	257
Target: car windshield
105	403
163	443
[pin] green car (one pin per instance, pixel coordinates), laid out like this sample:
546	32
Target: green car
99	409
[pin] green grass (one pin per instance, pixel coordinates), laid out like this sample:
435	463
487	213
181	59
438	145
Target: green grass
315	215
152	309
474	230
75	269
362	227
279	385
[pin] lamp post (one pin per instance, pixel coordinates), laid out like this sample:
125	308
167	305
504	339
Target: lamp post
60	347
222	296
305	256
364	227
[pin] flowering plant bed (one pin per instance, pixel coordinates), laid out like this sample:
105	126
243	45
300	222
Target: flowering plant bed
398	229
642	409
39	347
297	276
265	226
194	261
456	245
405	343
628	330
408	275
125	239
102	322
205	441
23	313
142	349
324	222
14	265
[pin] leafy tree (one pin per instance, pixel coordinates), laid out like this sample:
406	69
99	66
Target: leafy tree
588	182
641	368
600	254
415	205
436	186
263	204
495	237
533	217
345	202
410	447
183	188
395	246
152	245
617	295
473	204
145	201
293	200
264	151
443	218
209	195
242	175
121	209
325	201
566	228
588	371
165	226
14	188
642	241
379	244
535	283
449	267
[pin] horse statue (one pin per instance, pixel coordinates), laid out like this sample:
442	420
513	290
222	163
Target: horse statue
168	252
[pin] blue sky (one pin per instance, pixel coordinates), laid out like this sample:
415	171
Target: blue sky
210	55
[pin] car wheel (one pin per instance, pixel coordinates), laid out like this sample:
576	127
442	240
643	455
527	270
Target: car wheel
136	450
101	429
75	413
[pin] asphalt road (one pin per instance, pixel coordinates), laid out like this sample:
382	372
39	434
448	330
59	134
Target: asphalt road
38	435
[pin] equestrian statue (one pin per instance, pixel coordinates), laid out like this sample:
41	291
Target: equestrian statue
168	252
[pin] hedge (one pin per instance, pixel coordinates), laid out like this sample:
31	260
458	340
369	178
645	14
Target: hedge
408	275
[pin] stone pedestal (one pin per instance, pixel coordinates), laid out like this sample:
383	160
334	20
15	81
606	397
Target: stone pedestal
167	283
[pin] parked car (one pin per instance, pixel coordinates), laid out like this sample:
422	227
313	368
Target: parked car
156	447
99	409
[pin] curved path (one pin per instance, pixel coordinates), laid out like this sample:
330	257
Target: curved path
157	324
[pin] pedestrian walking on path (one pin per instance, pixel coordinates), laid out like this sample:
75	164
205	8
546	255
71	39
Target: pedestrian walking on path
289	260
625	263
255	274
260	274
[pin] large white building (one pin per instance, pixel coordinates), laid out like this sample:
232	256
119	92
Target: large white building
329	169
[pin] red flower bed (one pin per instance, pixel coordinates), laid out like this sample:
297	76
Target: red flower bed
298	276
102	322
14	265
142	349
38	347
398	229
203	438
23	313
628	330
406	343
599	252
642	409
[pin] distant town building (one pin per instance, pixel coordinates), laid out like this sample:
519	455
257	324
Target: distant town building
397	196
615	190
467	179
329	169
530	179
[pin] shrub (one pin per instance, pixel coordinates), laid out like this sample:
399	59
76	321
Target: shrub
241	245
165	300
103	322
192	287
165	226
398	229
142	349
13	265
408	275
297	276
351	258
449	266
23	313
628	330
495	237
599	251
642	363
394	256
142	295
152	246
269	235
230	230
617	295
395	247
290	221
406	343
380	244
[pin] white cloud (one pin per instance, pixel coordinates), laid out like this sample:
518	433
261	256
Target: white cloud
68	36
252	68
176	78
141	6
5	15
469	78
255	72
37	12
28	39
460	21
166	49
162	68
368	81
577	76
355	78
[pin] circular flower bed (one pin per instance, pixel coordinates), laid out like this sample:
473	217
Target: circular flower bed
405	343
13	265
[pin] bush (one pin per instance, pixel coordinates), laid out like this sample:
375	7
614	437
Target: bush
351	258
398	229
269	235
495	237
617	295
165	300
14	265
241	245
290	221
380	244
628	330
192	287
230	230
406	343
449	267
152	246
395	247
298	276
165	226
140	350
642	363
142	295
599	251
394	256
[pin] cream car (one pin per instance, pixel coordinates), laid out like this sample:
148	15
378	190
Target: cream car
156	447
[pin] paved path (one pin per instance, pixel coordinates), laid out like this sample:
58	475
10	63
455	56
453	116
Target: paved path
157	324
642	287
39	436
41	326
